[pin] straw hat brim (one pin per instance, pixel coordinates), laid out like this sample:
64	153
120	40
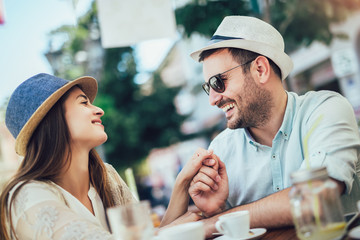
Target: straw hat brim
281	59
87	84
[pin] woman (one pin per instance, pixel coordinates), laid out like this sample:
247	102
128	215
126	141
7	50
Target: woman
62	187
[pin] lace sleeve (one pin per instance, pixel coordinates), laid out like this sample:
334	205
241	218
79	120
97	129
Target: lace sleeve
40	213
120	191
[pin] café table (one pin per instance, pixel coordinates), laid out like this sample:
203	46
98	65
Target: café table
286	233
280	234
290	233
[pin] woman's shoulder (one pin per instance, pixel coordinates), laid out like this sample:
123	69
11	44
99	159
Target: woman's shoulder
33	185
110	168
120	191
28	195
113	175
34	192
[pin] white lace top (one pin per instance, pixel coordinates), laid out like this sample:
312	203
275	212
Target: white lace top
47	211
44	210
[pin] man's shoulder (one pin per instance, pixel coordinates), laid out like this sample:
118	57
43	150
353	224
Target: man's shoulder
313	100
331	105
319	96
228	137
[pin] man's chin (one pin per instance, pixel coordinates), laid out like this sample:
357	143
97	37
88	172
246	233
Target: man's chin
234	124
230	126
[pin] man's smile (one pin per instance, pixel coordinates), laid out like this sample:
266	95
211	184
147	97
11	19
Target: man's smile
228	107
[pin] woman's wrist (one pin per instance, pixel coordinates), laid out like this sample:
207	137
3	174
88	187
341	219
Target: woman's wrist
182	183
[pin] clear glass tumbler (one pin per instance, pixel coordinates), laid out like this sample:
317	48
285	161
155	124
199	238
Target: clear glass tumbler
131	221
315	204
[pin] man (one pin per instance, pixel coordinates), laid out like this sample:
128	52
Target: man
243	66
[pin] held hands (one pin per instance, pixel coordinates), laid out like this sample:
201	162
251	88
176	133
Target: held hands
203	178
209	187
193	166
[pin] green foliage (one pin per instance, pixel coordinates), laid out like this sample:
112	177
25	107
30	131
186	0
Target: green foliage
79	37
299	21
302	22
203	16
135	123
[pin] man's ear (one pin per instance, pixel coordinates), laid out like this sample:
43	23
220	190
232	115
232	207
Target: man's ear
261	68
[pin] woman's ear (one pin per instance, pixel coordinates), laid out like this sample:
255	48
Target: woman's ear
261	68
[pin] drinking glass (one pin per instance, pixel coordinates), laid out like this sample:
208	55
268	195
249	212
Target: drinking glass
315	204
131	221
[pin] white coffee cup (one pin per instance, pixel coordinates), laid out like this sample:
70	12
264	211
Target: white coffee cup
235	224
185	231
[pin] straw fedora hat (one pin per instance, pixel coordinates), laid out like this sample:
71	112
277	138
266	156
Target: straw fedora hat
32	100
251	34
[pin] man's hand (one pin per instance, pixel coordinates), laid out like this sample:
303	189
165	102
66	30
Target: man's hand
208	195
180	196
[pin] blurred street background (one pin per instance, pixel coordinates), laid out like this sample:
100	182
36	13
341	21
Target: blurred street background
156	114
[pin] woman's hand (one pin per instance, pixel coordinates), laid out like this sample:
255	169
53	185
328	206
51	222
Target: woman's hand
209	196
201	157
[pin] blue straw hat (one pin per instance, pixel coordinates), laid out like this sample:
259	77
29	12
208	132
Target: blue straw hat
32	100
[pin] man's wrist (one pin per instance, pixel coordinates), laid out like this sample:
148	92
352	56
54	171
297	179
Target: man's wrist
210	214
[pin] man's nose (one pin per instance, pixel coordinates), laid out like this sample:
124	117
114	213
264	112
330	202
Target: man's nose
214	97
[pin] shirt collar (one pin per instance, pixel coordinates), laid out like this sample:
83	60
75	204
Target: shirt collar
250	139
286	126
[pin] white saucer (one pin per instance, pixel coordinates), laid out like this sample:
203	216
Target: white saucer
256	234
355	233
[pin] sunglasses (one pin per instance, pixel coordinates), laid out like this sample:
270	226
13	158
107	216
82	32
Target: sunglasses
216	82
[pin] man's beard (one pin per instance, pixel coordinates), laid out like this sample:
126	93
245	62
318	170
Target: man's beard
257	110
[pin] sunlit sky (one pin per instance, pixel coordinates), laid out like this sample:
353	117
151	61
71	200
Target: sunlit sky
24	39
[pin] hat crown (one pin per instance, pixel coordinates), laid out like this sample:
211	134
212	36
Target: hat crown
28	97
252	29
251	34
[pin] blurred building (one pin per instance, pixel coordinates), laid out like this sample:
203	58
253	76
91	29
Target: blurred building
179	69
335	67
9	160
89	60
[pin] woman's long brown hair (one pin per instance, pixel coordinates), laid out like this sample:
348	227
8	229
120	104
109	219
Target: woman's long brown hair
48	152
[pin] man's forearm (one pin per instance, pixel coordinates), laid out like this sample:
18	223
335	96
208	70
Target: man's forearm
270	212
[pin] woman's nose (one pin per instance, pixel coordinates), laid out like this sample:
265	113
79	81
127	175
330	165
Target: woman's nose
99	111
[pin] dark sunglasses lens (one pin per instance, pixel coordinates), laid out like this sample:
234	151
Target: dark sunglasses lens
217	84
206	88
